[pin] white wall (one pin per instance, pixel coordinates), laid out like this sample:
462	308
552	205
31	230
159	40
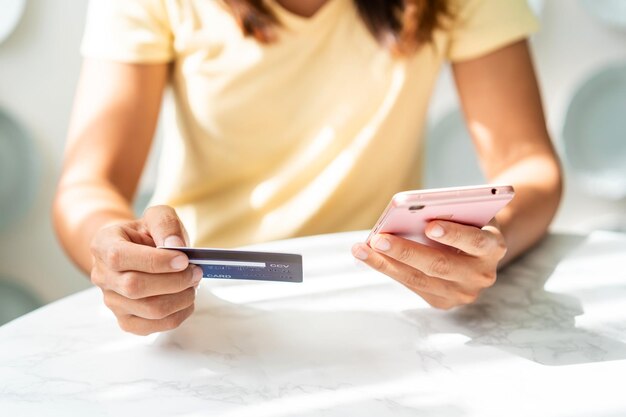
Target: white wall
39	66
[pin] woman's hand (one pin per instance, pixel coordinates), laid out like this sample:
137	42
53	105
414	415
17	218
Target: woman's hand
444	277
148	289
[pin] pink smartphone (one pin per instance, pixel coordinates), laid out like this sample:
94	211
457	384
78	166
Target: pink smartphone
409	212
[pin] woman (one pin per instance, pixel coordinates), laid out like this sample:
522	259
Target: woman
288	118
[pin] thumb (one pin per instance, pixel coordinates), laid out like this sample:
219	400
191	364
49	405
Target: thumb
164	226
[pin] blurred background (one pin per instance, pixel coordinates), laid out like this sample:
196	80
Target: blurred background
580	56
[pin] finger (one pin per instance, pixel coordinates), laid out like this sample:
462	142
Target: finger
144	327
133	231
136	285
433	262
123	256
412	278
164	226
154	308
469	239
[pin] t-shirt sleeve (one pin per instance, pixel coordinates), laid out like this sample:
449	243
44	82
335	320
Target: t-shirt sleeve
131	31
482	26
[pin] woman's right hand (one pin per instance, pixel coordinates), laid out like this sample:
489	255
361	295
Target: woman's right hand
148	289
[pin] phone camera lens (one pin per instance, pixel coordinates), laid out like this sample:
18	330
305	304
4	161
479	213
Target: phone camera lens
494	191
415	208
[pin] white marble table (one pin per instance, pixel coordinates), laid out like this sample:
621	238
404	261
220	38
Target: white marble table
548	340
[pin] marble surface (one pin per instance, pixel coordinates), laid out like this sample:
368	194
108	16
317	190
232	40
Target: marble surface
548	340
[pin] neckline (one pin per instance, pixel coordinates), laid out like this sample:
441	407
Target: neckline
295	21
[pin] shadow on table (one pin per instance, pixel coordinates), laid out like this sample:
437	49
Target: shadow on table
519	316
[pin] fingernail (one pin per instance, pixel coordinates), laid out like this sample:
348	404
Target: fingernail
381	243
179	262
360	253
358	264
436	231
173	241
197	275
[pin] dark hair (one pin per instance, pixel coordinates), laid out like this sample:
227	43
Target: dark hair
400	25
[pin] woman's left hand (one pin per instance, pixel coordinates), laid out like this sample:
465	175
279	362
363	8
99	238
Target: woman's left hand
444	277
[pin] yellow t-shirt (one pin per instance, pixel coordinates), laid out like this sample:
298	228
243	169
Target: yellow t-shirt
308	135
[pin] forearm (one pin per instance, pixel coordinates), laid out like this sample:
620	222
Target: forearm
80	210
115	113
538	186
504	114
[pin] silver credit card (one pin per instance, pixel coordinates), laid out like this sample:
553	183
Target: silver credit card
239	264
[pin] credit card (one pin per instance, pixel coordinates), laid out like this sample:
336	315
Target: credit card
239	264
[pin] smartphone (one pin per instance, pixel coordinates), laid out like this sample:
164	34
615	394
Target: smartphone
408	212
